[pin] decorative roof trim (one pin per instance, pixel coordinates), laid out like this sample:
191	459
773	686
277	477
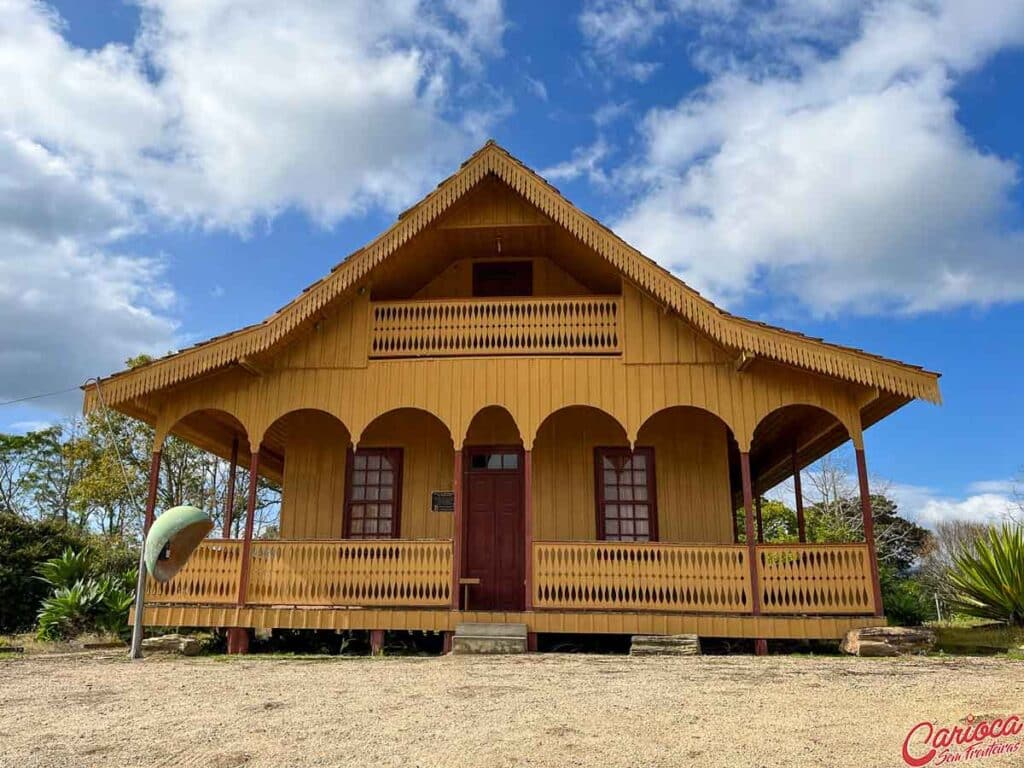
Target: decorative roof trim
730	330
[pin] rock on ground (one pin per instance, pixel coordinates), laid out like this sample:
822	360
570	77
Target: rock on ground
888	641
186	646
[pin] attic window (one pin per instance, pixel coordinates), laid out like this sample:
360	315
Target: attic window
503	278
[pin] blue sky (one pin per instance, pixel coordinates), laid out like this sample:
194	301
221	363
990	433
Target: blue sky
170	171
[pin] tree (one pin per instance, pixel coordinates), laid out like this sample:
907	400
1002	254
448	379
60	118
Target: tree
948	540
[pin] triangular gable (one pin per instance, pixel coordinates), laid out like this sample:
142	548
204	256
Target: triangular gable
728	330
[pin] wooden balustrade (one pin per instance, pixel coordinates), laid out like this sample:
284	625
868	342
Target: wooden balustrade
641	577
815	578
466	327
322	573
209	577
351	573
793	578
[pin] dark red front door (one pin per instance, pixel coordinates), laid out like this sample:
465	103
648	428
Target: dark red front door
494	529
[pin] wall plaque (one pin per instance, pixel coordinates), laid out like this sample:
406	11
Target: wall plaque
442	501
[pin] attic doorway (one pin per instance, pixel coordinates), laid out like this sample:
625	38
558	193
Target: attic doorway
502	278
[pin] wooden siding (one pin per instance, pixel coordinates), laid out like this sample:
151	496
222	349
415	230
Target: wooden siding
691	463
313	492
572	622
427	465
563	473
320	370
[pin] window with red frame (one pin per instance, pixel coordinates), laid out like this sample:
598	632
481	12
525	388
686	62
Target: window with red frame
372	494
626	509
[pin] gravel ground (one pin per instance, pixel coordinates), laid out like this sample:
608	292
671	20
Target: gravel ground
539	710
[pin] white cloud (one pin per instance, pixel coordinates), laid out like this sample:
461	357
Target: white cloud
585	161
222	113
927	508
537	88
842	178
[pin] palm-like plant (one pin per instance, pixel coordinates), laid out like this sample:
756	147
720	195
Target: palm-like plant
62	572
988	577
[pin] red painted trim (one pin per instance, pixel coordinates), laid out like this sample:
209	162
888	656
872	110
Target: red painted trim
250	518
531	642
801	522
761	647
397	457
229	502
748	506
457	528
528	527
447	642
652	487
154	484
869	528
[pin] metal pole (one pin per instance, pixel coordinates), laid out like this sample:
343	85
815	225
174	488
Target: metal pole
140	582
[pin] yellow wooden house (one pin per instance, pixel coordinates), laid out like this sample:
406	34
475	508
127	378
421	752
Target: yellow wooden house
500	411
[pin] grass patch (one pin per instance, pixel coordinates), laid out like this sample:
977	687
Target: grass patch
984	639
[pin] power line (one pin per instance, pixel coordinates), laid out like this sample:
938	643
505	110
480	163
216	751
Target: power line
38	397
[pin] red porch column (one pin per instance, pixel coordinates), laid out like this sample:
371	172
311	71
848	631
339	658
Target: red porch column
869	528
798	493
250	516
457	529
154	484
531	637
229	502
760	644
760	520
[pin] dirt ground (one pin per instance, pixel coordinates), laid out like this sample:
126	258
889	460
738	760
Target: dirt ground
540	710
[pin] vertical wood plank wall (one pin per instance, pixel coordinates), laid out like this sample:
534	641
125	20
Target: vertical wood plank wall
666	363
426	466
691	462
313	491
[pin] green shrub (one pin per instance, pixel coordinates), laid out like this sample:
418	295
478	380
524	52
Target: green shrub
24	545
905	599
83	598
988	577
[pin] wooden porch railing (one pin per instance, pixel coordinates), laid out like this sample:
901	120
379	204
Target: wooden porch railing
356	573
323	573
641	577
467	327
209	577
815	578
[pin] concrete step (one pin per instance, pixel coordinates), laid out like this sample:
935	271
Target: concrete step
503	630
664	645
489	638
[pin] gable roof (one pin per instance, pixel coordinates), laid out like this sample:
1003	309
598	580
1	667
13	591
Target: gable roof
729	330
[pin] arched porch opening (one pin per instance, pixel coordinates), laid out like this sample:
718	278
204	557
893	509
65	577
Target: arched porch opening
199	461
565	458
306	449
493	425
696	460
419	451
784	443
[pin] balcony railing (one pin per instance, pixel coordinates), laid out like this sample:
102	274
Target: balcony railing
473	327
815	578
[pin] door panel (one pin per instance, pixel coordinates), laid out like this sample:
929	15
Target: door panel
495	537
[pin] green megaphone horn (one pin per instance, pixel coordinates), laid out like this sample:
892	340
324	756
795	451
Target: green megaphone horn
172	538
